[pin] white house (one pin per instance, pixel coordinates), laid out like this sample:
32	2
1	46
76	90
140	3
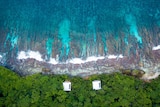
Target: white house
96	84
67	86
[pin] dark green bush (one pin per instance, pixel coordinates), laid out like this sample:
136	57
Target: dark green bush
38	90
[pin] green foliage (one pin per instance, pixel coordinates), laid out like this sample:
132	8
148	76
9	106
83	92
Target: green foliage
47	90
153	90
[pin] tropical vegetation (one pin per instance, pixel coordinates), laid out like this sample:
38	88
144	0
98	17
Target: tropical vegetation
39	90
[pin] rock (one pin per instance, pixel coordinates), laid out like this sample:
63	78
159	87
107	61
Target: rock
137	73
126	71
46	70
150	75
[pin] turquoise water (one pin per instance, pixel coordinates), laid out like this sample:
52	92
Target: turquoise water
80	28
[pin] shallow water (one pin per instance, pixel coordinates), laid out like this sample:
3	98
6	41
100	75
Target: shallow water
80	28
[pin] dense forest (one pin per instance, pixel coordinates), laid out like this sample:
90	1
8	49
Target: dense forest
39	90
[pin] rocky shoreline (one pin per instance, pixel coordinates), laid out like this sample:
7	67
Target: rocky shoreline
145	68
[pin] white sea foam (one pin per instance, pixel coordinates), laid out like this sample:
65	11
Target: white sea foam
156	47
36	55
53	61
112	56
1	57
30	54
22	55
89	59
120	56
76	61
94	58
115	56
